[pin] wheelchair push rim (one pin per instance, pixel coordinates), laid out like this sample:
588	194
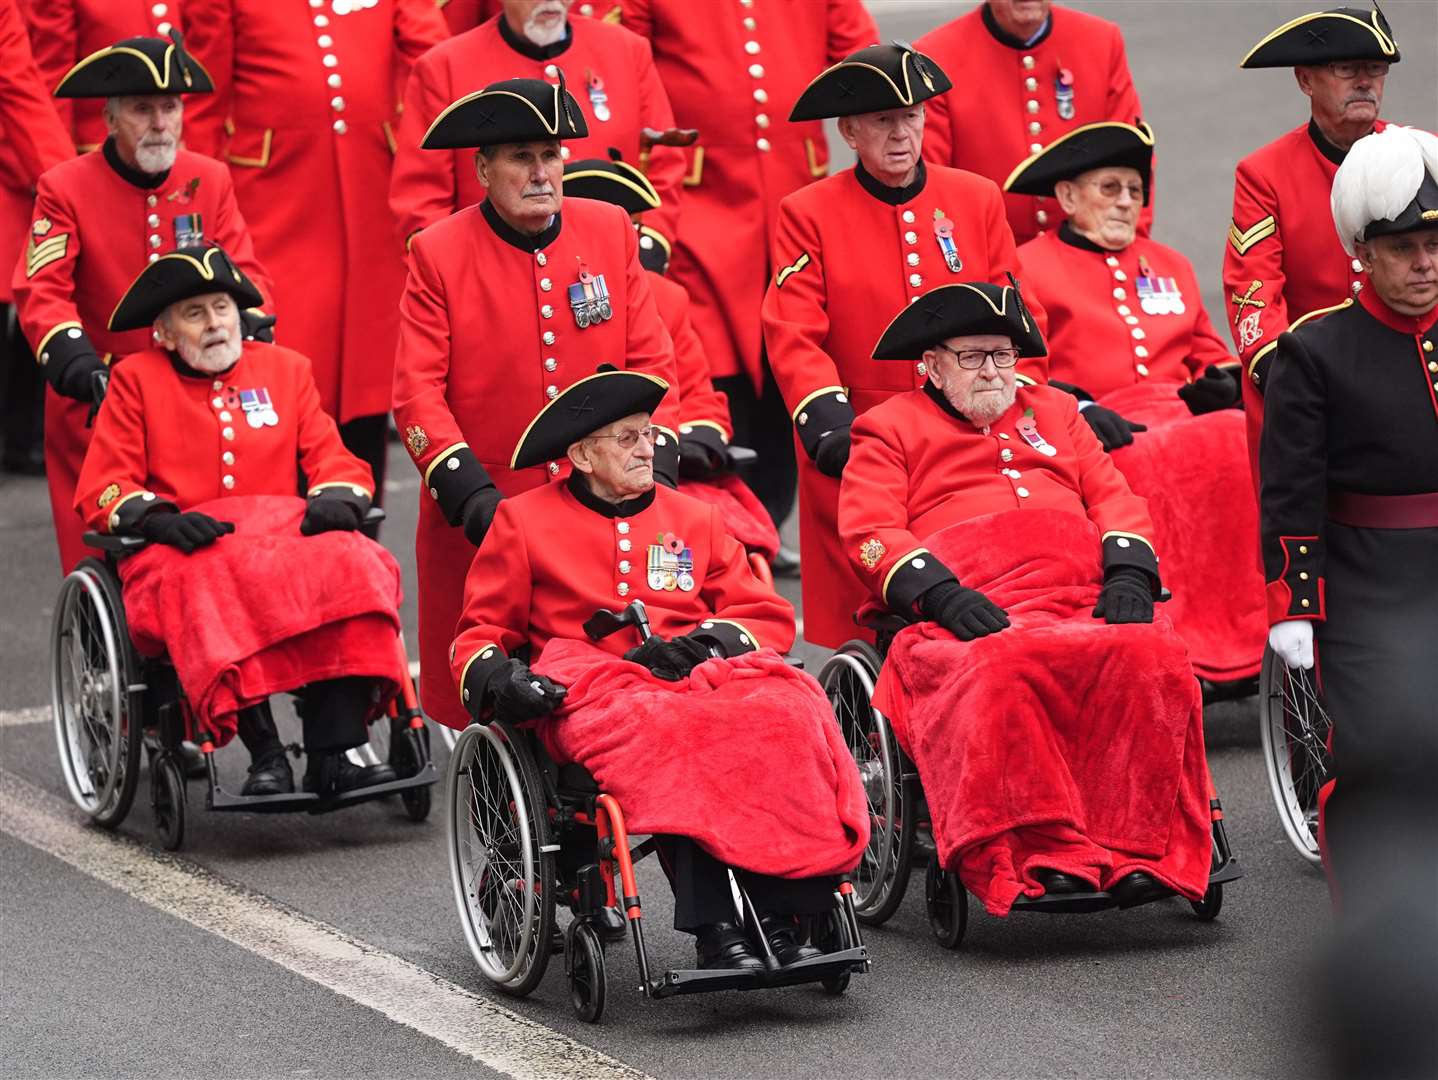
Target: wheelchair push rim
497	859
1294	727
93	703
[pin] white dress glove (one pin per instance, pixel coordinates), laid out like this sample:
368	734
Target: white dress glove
1292	639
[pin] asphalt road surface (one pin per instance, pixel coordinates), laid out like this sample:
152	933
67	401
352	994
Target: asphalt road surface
329	947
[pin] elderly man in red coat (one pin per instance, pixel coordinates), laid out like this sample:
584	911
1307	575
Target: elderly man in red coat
1282	259
1059	754
1028	72
849	250
200	439
507	303
623	102
304	115
97	220
643	716
1129	337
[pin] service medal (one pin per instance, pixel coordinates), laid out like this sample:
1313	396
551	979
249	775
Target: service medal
944	233
589	298
598	99
1028	428
259	409
1064	94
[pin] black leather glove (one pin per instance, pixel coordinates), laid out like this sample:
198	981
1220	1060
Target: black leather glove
669	660
478	512
698	460
330	515
833	452
1217	389
187	531
518	694
1127	596
257	326
965	613
99	387
1112	429
77	380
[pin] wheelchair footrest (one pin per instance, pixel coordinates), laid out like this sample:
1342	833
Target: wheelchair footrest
1229	871
1066	903
817	969
223	801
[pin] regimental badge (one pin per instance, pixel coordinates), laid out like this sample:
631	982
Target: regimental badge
944	233
1247	300
1064	93
41	227
189	230
589	298
109	495
1157	295
41	253
417	439
871	551
1028	429
259	409
1249	330
671	564
598	99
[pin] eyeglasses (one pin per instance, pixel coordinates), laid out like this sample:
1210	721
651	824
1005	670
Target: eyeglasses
973	359
1112	189
630	436
1351	69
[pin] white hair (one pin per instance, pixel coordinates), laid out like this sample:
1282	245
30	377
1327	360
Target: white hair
1379	178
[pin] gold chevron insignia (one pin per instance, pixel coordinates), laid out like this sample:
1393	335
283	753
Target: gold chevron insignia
1242	241
38	256
793	268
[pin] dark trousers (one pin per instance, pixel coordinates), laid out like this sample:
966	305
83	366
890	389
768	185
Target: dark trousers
762	423
331	711
22	390
702	895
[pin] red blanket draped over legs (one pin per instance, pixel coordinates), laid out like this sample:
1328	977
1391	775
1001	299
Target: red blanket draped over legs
1190	469
1060	742
744	756
265	610
744	515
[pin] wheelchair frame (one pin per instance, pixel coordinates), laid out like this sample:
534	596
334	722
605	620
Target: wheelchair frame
1295	729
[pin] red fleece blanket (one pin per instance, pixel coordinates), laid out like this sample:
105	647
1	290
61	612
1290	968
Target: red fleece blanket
1190	469
744	515
1061	741
265	610
744	756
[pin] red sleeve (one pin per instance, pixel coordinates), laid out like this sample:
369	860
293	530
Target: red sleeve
1124	106
1003	260
32	127
421	367
210	39
649	348
44	278
795	312
232	234
1207	347
636	16
851	28
55	43
699	402
418	27
322	455
1112	505
665	164
1253	278
740	601
497	594
111	493
422	186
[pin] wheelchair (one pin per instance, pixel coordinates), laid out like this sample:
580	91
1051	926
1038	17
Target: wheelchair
108	703
518	827
1294	727
901	832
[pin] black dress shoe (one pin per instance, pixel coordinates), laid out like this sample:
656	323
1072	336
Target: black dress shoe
785	563
270	775
1138	888
1057	883
783	935
723	946
329	775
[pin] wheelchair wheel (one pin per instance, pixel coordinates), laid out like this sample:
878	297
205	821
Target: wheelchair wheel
1208	908
584	964
500	857
883	873
406	749
1294	727
947	902
95	694
830	934
167	798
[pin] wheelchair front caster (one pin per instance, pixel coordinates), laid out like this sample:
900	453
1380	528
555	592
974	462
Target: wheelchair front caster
167	797
831	934
1208	908
584	964
947	903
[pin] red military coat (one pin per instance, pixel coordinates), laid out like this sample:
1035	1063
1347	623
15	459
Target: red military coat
552	558
90	236
610	72
1117	318
304	113
848	263
64	32
487	336
1006	99
171	435
700	405
917	467
734	70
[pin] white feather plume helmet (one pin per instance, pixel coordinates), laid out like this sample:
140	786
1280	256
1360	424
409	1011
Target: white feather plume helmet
1379	178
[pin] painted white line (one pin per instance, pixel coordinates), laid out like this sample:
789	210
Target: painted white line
21	717
465	1022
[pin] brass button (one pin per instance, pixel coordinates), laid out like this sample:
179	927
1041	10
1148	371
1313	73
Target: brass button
1303	575
1303	549
1304	601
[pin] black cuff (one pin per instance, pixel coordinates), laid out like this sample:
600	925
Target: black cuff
68	357
353	494
1303	574
821	414
126	515
911	579
1069	388
654	249
1258	367
1120	550
477	674
729	638
453	478
666	459
710	436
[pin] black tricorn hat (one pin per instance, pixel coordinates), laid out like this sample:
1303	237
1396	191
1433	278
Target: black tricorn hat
969	307
1092	146
1322	36
137	65
508	111
582	409
613	181
187	272
1420	213
872	80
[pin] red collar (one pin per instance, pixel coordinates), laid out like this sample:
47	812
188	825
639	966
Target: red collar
1404	324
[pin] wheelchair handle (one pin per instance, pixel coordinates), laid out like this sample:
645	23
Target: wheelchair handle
605	622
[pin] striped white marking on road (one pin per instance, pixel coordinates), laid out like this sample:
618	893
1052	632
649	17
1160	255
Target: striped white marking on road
465	1022
21	717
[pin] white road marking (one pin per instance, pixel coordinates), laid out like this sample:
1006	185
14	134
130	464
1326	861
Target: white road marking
21	717
467	1023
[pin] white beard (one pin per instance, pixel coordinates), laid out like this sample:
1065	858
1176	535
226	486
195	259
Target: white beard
538	35
211	360
155	159
983	411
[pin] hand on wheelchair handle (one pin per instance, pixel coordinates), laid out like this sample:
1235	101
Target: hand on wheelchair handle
1217	389
478	513
257	326
1292	640
832	453
518	694
330	515
966	613
1113	430
187	531
669	660
699	461
1126	597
